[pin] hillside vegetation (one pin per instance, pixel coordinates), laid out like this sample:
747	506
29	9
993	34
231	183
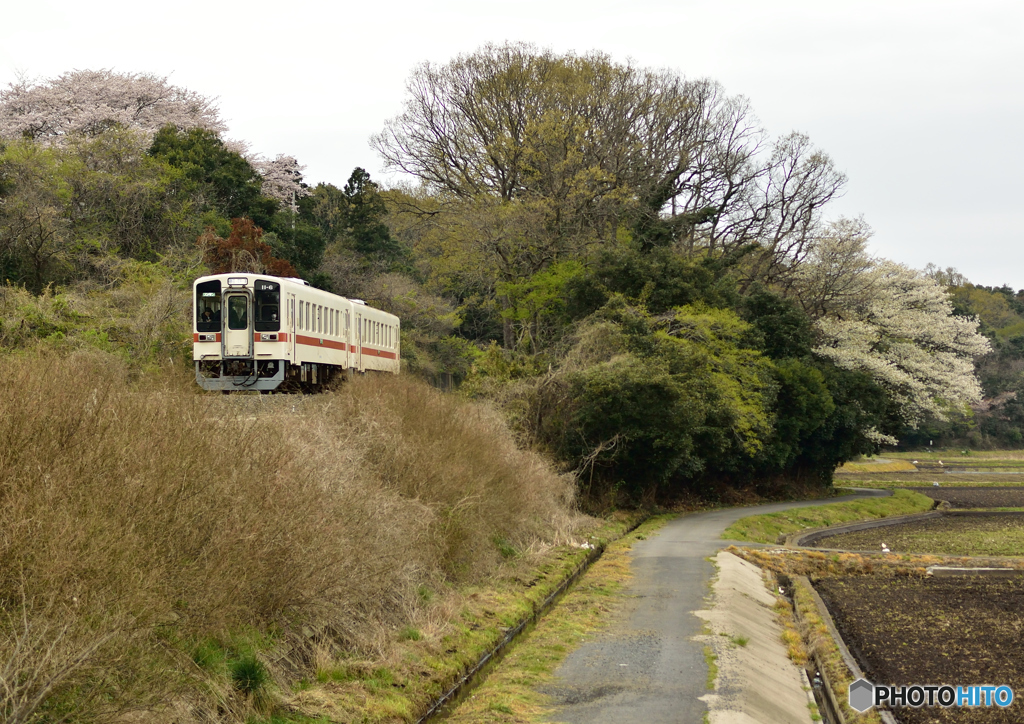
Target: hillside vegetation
997	422
159	546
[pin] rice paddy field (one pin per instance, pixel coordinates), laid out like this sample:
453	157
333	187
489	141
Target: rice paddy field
918	629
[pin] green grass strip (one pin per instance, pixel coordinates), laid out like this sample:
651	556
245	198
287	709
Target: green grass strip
769	527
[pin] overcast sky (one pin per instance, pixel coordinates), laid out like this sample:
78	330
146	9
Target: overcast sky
920	103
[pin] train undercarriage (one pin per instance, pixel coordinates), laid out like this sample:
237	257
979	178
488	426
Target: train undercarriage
267	375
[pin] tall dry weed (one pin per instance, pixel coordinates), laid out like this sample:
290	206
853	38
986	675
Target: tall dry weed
141	520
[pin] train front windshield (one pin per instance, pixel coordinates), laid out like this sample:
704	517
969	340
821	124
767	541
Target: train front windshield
208	312
268	306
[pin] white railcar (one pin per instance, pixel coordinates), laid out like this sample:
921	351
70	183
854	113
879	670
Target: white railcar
259	332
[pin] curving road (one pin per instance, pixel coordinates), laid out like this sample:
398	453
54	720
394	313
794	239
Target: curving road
647	668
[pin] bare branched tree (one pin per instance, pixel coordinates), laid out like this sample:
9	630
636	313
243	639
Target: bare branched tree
599	145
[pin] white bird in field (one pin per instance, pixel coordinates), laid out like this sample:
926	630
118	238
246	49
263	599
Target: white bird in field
935	485
915	462
885	548
940	462
782	591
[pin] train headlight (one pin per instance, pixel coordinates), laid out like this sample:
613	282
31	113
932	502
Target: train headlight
265	337
207	337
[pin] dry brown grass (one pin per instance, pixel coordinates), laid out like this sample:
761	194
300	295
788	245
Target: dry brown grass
143	525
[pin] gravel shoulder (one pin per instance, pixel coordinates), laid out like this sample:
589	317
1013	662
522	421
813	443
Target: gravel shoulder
756	682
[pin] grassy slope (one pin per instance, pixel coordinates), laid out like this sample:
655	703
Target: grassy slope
195	557
767	528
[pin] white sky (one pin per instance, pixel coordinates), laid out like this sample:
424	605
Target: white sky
919	102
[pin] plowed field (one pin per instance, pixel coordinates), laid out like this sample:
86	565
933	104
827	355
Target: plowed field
1002	497
915	630
954	535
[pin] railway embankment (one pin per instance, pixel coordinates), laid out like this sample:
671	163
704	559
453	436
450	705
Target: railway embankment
199	557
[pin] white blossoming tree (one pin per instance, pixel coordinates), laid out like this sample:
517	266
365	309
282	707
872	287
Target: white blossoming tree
87	102
282	179
900	329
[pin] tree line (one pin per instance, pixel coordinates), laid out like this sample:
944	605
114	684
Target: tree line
622	259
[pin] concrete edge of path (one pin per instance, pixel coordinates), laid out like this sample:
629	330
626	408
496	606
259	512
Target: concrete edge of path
757	682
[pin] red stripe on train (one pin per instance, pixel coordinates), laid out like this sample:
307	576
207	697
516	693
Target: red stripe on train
331	344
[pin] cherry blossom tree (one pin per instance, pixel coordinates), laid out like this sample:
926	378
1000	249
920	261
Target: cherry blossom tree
901	330
87	102
282	179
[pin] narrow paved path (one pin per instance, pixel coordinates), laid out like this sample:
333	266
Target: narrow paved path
647	668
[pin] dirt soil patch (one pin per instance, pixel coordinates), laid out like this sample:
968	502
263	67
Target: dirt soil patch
954	535
993	497
918	630
927	477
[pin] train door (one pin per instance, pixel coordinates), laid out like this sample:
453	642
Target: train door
347	332
359	341
291	326
238	330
